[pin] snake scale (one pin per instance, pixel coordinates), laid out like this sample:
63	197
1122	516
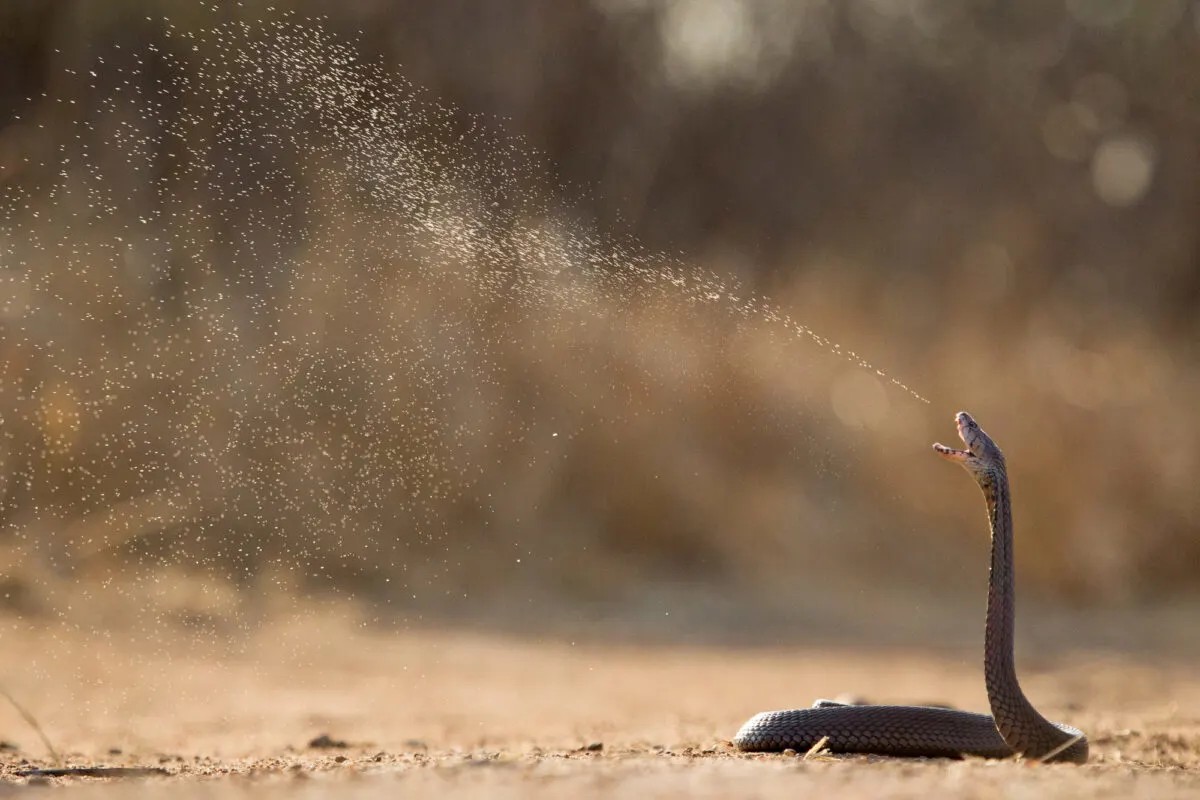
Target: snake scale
1014	726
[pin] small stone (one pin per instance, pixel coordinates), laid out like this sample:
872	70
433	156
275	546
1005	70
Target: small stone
327	742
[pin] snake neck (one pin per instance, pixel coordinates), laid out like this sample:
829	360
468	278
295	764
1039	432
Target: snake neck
1019	723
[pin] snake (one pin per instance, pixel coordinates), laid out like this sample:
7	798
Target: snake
1014	728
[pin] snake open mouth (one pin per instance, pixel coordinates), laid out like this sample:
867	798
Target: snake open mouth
951	453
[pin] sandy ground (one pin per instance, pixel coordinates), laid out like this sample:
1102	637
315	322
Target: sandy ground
467	714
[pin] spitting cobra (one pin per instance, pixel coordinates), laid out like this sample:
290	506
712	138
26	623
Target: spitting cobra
1014	726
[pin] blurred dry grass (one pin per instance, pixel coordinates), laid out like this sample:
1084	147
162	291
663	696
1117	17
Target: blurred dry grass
229	351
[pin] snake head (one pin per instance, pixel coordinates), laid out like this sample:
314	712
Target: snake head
981	455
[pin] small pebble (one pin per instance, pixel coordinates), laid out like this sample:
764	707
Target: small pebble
327	742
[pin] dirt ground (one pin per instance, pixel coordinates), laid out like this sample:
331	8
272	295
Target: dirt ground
459	714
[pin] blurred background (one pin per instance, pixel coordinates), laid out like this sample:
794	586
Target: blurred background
556	316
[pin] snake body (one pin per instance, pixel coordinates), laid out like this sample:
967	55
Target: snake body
1014	726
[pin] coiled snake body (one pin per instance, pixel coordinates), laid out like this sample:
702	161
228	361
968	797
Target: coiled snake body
1014	727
